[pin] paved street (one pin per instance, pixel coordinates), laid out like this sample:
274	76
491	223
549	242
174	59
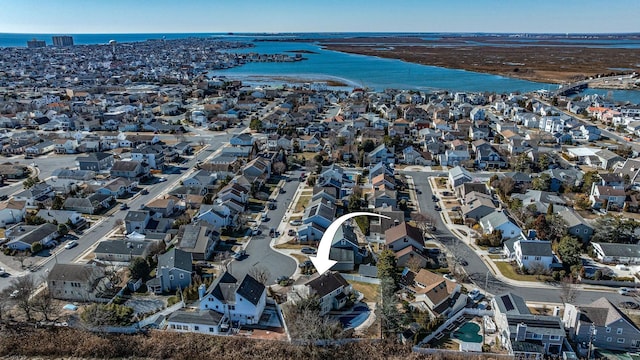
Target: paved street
104	226
260	254
478	270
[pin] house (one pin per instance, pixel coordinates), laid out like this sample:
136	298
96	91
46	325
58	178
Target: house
218	215
383	198
165	206
489	158
607	197
89	205
98	161
345	250
122	250
411	256
617	253
465	189
442	296
173	272
563	178
380	154
198	321
540	199
523	334
12	212
454	157
153	155
117	188
577	226
241	302
128	169
136	221
331	289
630	171
477	205
62	217
458	176
36	194
77	282
498	220
529	253
44	234
614	330
197	240
403	235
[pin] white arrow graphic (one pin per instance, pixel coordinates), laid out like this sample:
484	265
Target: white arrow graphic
322	261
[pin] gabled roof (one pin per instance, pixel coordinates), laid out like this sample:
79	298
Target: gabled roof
536	248
251	289
602	312
327	283
176	259
75	272
401	230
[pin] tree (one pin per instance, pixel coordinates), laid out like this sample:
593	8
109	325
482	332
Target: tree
542	182
614	229
588	179
36	247
569	250
5	302
387	264
557	227
139	268
23	288
107	314
505	186
43	303
279	167
544	160
305	323
568	290
255	124
522	163
368	145
63	229
391	319
541	227
260	273
581	202
414	263
423	221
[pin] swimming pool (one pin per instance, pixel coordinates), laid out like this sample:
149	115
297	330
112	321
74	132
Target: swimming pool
468	332
356	317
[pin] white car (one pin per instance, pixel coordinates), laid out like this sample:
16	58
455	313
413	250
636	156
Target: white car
625	291
14	293
71	244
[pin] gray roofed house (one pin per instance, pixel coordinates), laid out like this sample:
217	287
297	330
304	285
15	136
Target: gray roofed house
242	302
477	205
576	225
97	161
498	220
61	216
367	270
127	169
530	252
630	171
563	177
614	329
122	250
250	289
541	199
331	289
77	282
197	321
617	253
197	240
23	240
524	334
458	176
173	272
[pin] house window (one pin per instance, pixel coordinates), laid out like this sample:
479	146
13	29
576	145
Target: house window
173	326
525	257
53	283
537	336
232	307
585	231
619	331
554	337
181	276
608	329
170	277
211	329
196	328
608	338
538	258
620	340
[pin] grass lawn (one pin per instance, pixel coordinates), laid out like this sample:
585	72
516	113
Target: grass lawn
507	270
430	245
308	155
2	233
495	257
289	245
303	201
635	317
370	291
301	258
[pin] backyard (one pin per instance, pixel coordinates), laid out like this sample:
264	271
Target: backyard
370	291
509	271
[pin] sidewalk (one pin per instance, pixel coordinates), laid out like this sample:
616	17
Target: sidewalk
460	230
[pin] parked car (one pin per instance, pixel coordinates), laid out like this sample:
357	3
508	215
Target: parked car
71	244
295	222
449	277
15	293
438	208
124	207
625	291
255	231
240	255
162	179
308	250
144	192
291	232
306	264
282	279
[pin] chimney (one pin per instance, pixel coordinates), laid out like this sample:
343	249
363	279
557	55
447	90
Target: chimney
521	332
201	291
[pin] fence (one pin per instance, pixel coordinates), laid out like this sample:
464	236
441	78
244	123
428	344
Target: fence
457	354
613	283
151	319
454	318
361	278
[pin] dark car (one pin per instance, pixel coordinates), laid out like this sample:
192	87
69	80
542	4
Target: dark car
306	264
438	208
308	250
144	192
124	207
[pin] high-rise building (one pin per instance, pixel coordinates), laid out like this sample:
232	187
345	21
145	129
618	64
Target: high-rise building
35	43
62	40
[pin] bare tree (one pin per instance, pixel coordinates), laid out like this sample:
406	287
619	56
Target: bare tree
23	288
260	273
5	303
43	303
538	269
568	290
423	221
279	167
414	263
21	257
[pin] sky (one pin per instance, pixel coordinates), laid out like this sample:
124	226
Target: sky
212	16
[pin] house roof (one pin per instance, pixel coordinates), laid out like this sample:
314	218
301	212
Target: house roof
536	248
37	234
251	289
75	272
326	283
125	165
602	312
433	286
495	220
134	248
619	250
401	230
202	317
224	287
176	259
510	303
135	215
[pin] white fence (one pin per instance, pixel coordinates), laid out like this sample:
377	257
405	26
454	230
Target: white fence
361	278
151	319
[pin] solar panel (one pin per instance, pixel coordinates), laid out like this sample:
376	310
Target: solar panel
506	300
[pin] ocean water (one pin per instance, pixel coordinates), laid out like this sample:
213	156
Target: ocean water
354	70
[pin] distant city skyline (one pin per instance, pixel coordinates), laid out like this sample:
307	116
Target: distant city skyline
211	16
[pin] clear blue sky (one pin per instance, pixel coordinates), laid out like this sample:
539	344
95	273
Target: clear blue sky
164	16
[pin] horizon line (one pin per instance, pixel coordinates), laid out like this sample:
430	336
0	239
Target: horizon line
324	32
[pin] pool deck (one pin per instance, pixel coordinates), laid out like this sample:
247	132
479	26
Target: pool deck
370	320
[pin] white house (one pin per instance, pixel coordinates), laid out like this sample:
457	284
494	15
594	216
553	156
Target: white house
199	321
331	289
11	212
499	221
528	253
240	302
617	253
